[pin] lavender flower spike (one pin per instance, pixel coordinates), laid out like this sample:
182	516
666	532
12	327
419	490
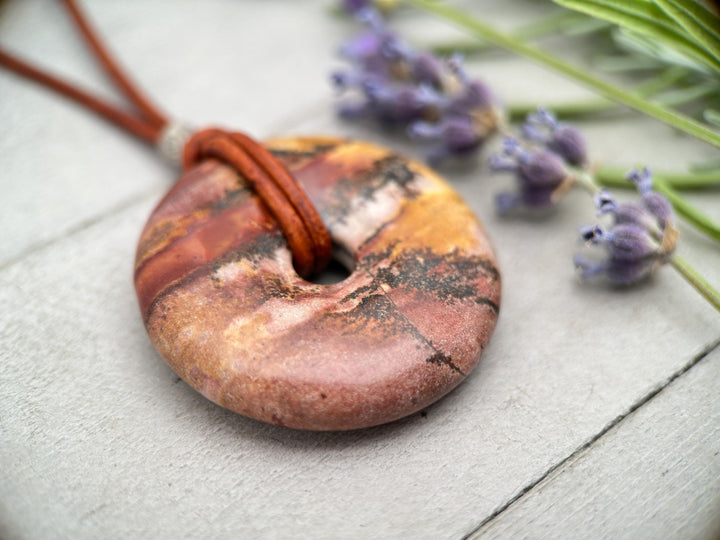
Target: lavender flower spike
540	177
390	82
654	202
631	254
473	96
355	6
563	139
398	104
627	213
638	240
452	136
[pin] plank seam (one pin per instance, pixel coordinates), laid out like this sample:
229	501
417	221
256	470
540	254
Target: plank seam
615	422
79	227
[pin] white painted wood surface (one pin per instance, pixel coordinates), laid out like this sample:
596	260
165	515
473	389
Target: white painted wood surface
99	439
655	475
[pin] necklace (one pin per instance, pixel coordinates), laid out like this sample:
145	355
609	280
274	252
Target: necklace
219	265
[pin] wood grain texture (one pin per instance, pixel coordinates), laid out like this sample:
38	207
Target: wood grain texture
655	476
100	439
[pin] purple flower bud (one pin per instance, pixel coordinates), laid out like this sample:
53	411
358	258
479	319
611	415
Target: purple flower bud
460	135
370	16
539	126
424	131
512	147
353	111
616	272
427	69
361	47
592	234
630	213
565	140
641	178
501	163
629	243
542	169
568	142
456	136
605	203
658	206
400	103
456	65
653	202
642	236
540	174
473	96
354	6
621	272
631	254
393	48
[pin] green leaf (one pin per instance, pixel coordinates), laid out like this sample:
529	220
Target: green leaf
707	166
621	64
647	19
653	48
712	116
697	21
681	96
587	25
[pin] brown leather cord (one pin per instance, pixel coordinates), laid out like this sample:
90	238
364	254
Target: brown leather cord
136	126
112	68
294	194
309	243
306	234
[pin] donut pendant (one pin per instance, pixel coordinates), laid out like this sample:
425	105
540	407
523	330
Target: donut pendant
225	308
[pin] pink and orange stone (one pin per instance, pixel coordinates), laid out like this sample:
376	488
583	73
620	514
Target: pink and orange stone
225	308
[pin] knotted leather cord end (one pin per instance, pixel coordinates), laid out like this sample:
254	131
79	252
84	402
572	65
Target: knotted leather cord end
307	236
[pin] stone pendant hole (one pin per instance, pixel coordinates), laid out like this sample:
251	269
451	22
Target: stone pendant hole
338	269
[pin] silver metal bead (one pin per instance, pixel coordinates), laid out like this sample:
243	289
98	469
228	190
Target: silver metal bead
172	141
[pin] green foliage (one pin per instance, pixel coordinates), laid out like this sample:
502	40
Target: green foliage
658	37
669	30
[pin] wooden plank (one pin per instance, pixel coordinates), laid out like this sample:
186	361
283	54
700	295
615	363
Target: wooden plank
99	439
96	428
656	475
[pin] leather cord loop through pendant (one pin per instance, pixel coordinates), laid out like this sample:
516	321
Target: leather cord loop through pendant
307	236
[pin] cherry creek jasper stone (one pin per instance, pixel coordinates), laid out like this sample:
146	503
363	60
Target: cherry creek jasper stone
225	308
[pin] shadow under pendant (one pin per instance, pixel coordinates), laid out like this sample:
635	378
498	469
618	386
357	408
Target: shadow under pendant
224	306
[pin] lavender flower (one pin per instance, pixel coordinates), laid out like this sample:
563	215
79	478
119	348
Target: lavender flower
354	6
641	237
654	202
376	50
541	176
452	136
394	104
393	84
472	95
386	55
542	127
